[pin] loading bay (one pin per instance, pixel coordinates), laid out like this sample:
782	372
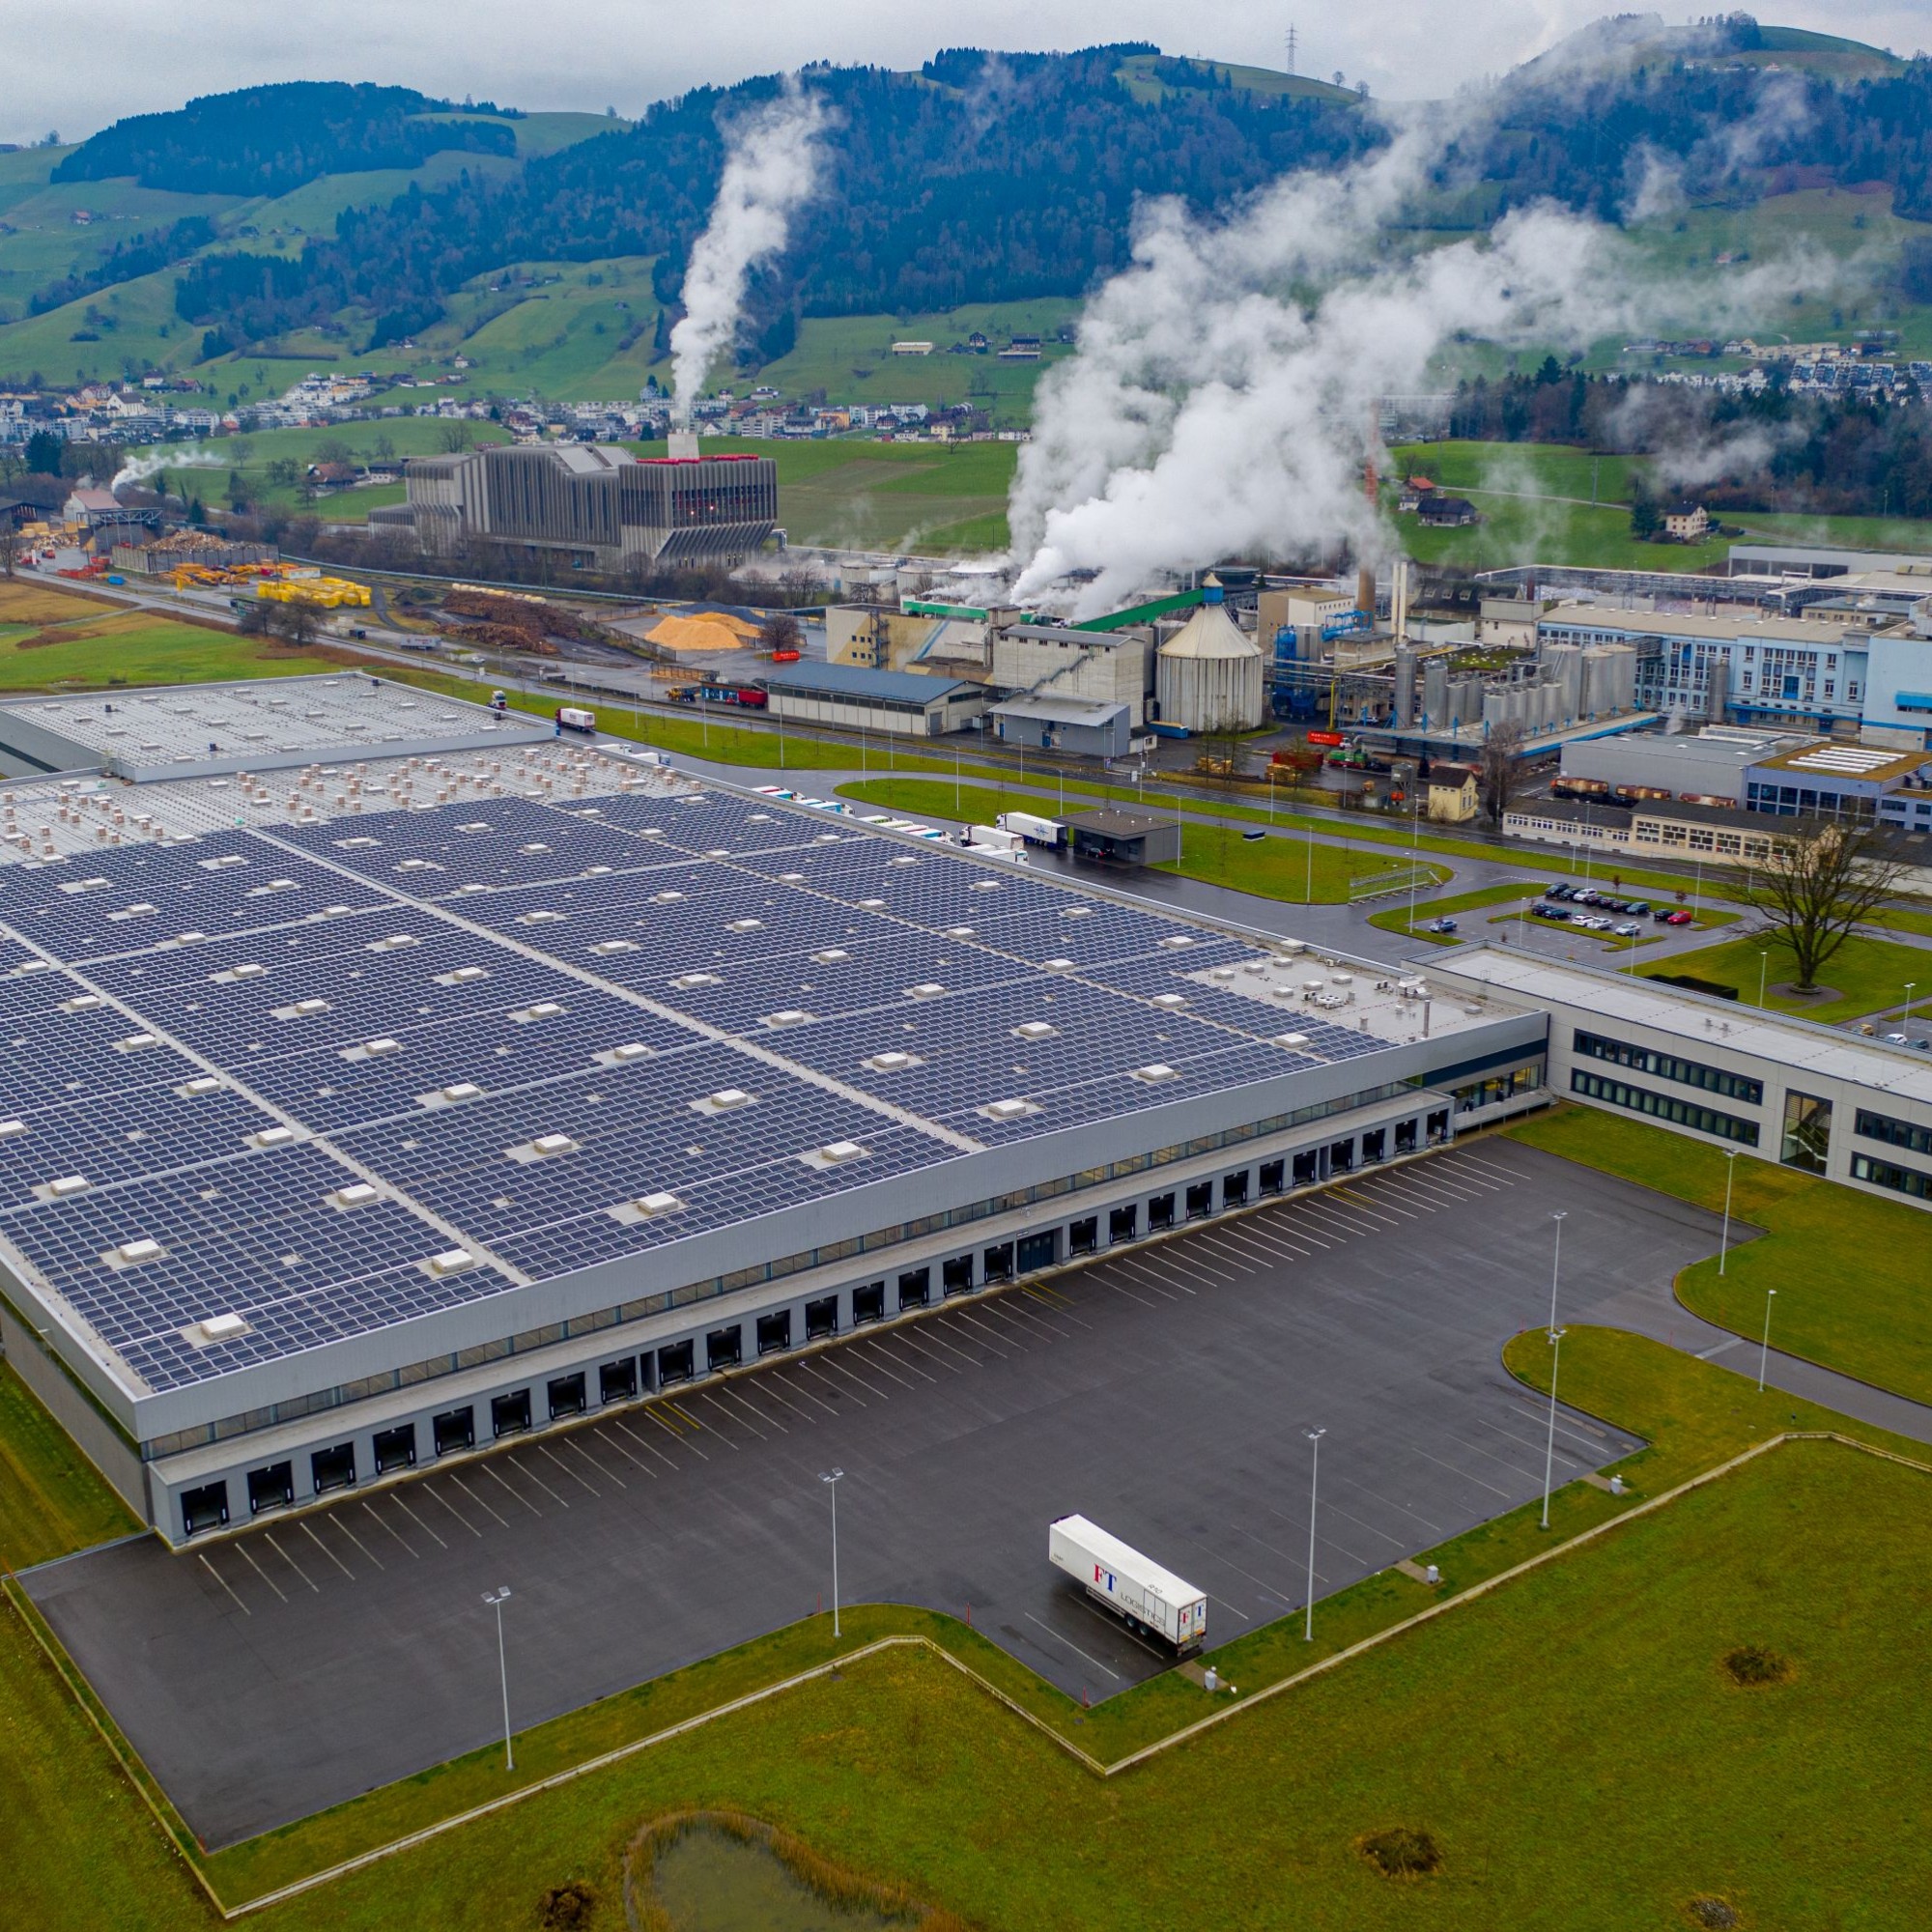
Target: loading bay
1165	1394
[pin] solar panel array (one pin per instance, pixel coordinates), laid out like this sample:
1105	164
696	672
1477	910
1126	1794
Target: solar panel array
335	1075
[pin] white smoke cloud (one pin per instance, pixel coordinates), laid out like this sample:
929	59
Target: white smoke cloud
771	166
1658	186
147	463
1215	407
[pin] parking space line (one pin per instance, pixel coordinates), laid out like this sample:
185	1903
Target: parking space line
883	1395
1062	1304
1269	1243
938	1340
683	1415
820	1376
480	1503
1367	1207
739	1401
574	1440
1288	1217
677	1435
1435	1530
610	1440
875	1361
290	1562
1505	1177
1191	1244
697	1422
389	1526
1343	1226
259	1571
1266	1588
999	1342
567	1469
309	1530
1463	1474
510	1462
1120	1288
1074	1647
425	1529
643	1442
335	1521
1220	1243
1025	1320
1437	1187
223	1581
913	1342
1141	1272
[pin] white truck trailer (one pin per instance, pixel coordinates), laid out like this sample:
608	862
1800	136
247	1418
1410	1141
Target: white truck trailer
1150	1599
1048	832
994	841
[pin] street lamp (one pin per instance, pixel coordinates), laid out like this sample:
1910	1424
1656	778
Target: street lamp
1555	1267
831	1482
1905	1018
1550	1448
1764	1347
1731	1174
1315	1436
497	1599
1763	967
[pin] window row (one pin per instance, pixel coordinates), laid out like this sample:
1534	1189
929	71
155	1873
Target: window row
1669	1066
1906	1134
1884	1174
1663	1107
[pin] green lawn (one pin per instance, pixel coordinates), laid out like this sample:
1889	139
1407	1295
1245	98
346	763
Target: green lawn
1848	1267
1864	976
1398	917
52	1500
135	648
1273	866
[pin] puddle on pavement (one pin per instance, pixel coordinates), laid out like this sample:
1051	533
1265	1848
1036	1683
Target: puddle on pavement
711	1882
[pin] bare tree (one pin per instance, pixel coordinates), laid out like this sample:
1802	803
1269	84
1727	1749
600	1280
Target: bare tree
1499	771
779	632
1818	883
452	437
295	624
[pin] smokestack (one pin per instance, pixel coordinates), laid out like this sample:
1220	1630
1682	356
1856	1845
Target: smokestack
682	444
1365	590
1365	573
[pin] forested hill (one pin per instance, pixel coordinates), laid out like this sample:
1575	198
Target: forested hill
266	140
1003	176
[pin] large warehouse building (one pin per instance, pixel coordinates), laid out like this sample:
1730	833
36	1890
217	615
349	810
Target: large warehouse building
594	504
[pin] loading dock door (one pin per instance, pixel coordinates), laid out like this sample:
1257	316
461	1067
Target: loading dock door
1404	1137
724	1347
674	1363
509	1414
869	1303
1160	1212
1201	1201
955	1277
1123	1224
272	1488
1039	1251
1308	1168
333	1469
455	1429
775	1332
821	1316
1234	1189
1374	1144
617	1382
1084	1236
205	1508
998	1262
395	1448
566	1396
1273	1173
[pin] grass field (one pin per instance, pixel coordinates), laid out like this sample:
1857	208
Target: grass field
1848	1267
52	1500
133	648
1397	918
1864	976
1273	867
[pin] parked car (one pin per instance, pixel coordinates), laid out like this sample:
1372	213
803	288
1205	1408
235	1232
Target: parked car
1559	891
1662	915
1636	908
1441	925
1630	929
1679	918
1896	1039
1547	912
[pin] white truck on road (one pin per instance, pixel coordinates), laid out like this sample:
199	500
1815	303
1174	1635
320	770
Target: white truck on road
1150	1600
1035	831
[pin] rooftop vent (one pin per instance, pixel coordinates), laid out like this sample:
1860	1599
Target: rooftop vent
1008	1110
833	1153
744	926
395	942
544	1010
83	885
463	976
82	1003
606	946
543	916
689	982
272	1137
131	1254
623	1056
986	885
375	1049
1176	939
904	858
135	1041
545	1147
226	860
1076	912
1035	1030
448	1096
1290	1040
665	897
648	1206
894	1062
870	905
1170	1001
139	910
200	1086
245	972
791	878
828	838
357	1194
832	955
959	932
206	1333
301	1009
1155	1074
1056	965
536	846
11	1129
452	1260
787	1016
60	1190
726	1100
926	989
475	825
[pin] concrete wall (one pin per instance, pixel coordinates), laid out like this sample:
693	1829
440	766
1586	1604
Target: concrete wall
99	1441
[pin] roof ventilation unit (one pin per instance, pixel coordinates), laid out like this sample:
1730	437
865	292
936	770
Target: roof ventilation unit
452	1260
357	1194
647	1208
272	1137
206	1333
238	973
463	976
726	1100
833	1153
202	1085
788	1016
544	1010
689	982
832	955
623	1056
1155	1074
1035	1030
926	989
606	946
1008	1110
894	1062
1172	1001
131	1254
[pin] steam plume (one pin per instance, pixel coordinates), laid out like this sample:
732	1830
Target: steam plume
149	463
1214	408
771	166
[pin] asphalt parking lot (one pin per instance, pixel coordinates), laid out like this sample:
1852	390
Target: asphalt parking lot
1165	1394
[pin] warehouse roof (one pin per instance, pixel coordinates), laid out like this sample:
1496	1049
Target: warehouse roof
1060	710
857	682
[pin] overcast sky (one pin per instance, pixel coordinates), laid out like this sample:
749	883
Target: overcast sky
78	68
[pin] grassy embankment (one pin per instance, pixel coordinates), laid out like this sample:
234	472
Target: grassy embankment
1864	976
1848	1267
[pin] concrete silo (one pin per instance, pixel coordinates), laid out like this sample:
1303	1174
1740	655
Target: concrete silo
1207	675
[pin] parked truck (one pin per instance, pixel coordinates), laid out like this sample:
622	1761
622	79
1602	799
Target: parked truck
1151	1601
1035	831
995	841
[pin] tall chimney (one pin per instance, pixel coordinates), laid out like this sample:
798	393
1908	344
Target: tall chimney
682	443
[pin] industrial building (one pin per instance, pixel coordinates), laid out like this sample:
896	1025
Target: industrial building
1084	727
592	505
344	1140
1207	675
898	704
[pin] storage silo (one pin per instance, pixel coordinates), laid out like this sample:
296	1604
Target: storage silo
1207	675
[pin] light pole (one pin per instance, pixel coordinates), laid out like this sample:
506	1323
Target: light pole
1315	1436
1764	1347
1763	968
1308	890
1549	1447
497	1599
1556	1266
1905	1018
1415	854
1731	1174
831	1482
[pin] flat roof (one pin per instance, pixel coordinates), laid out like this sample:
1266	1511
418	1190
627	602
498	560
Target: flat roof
1832	759
838	680
1108	822
256	725
299	1062
1060	710
1692	624
1803	1045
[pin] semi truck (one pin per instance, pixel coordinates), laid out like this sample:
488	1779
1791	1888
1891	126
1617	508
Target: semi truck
1035	831
573	718
995	841
1151	1601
